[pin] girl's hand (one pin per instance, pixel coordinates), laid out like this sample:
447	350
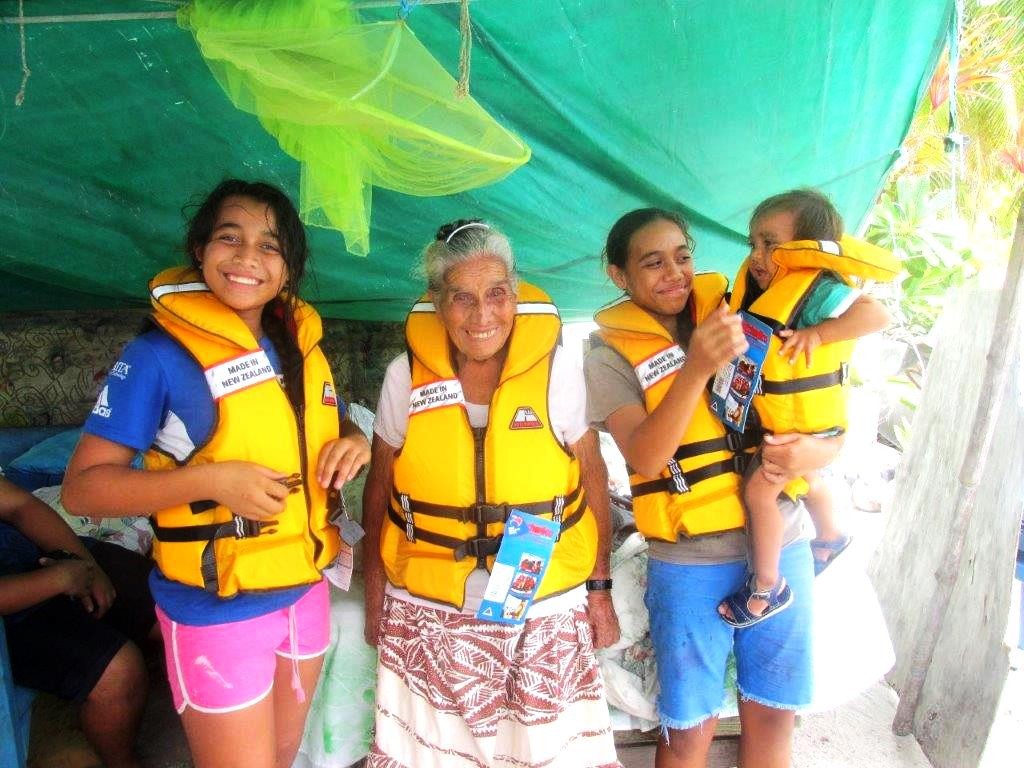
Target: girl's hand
804	340
250	490
342	459
716	341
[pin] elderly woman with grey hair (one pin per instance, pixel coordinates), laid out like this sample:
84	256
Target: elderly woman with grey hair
485	415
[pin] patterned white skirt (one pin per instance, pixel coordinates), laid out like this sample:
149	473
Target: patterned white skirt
455	692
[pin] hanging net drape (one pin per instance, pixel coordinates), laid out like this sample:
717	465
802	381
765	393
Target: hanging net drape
358	105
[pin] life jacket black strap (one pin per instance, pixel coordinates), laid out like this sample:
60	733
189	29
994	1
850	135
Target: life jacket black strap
731	441
806	384
683	482
481	513
476	547
237	527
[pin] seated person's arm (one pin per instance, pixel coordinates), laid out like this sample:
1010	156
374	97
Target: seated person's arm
46	529
866	315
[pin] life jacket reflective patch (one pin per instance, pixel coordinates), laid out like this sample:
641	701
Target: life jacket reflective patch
525	418
329	397
662	363
239	373
436	394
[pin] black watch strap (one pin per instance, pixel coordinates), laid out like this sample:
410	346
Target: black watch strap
598	585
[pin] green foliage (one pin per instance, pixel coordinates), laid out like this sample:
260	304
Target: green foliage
914	222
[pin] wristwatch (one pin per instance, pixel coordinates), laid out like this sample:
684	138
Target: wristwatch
598	585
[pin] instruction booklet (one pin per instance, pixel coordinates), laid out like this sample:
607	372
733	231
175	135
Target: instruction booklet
737	382
519	567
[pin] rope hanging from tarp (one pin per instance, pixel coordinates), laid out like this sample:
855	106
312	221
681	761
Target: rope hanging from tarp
405	7
19	98
465	49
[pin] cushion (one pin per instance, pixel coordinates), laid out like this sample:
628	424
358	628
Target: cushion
44	463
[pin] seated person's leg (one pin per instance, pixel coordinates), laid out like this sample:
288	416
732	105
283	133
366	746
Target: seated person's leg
58	648
111	713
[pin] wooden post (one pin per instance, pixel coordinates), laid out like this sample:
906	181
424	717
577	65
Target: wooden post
997	368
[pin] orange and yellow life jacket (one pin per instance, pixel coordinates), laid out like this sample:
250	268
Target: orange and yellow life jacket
204	544
698	492
455	485
802	397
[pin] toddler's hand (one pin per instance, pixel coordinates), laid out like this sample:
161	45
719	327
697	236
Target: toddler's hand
804	340
716	341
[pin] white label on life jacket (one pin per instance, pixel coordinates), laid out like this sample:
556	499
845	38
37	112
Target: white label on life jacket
239	373
436	394
659	365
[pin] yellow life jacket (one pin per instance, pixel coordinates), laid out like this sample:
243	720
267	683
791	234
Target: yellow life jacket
455	485
204	544
797	397
698	492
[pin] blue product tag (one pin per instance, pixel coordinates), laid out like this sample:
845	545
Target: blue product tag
519	567
736	383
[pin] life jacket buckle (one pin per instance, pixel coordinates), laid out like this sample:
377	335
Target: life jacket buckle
477	548
844	373
482	513
246	528
734	441
740	462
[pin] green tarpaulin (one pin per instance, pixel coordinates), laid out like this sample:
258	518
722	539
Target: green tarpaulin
702	106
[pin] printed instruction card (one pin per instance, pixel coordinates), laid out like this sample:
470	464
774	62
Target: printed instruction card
519	567
736	383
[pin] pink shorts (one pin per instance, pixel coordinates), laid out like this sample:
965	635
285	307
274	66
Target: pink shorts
227	667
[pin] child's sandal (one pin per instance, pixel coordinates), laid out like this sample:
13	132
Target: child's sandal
778	598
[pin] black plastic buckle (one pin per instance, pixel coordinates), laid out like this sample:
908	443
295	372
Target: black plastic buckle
734	441
740	462
477	548
482	514
246	528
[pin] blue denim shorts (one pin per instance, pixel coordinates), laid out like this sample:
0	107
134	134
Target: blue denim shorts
692	643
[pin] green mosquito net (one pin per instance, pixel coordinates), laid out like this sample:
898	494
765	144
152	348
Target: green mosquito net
358	105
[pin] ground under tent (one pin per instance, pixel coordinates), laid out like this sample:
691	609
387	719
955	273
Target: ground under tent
110	121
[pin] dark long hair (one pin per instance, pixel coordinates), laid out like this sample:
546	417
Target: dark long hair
277	317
